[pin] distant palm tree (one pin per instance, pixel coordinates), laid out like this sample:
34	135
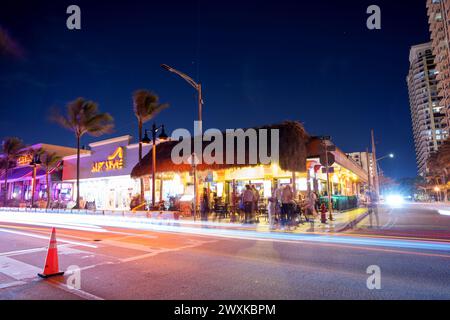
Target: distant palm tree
83	117
434	169
146	106
11	149
49	161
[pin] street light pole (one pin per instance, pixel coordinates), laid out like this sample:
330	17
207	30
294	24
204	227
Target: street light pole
200	107
146	140
390	155
195	85
375	168
330	203
153	165
194	166
327	168
194	161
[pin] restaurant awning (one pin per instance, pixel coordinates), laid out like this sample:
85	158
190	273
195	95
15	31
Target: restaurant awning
315	149
293	141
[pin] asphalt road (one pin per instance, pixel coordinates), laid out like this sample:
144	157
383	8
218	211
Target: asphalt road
152	263
408	220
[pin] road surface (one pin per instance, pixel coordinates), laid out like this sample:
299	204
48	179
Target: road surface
176	263
408	220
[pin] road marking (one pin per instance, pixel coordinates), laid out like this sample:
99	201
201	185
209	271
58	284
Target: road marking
91	228
25	251
47	238
12	284
78	292
194	244
133	246
17	270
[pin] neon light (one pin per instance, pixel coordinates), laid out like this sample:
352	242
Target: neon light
24	160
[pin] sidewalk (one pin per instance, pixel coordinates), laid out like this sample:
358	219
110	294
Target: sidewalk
341	220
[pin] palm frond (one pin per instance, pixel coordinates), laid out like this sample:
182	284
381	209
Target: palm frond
11	147
83	116
146	105
50	160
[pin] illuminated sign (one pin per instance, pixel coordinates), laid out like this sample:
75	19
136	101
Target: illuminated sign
114	162
24	160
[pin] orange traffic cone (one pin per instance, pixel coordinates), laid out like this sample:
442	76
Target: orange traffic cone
51	268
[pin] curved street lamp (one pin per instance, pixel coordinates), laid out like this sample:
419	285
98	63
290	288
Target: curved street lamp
390	155
195	85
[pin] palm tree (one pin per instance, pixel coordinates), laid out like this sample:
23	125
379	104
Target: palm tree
49	161
11	148
83	117
146	106
4	164
35	155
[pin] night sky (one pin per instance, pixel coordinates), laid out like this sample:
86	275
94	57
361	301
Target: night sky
260	62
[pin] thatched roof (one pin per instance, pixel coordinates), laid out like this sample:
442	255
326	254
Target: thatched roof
292	153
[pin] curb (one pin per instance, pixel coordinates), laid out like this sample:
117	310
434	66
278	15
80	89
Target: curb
353	223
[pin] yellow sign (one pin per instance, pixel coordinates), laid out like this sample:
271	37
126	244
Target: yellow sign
24	159
114	162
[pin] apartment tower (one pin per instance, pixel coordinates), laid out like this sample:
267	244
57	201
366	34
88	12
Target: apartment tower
427	112
439	21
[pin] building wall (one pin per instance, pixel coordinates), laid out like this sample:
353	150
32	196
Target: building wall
105	173
427	114
438	19
20	189
361	159
99	152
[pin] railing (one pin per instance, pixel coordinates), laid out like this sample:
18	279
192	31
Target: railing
123	213
342	203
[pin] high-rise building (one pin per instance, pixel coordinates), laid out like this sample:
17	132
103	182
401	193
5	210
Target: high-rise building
439	21
427	114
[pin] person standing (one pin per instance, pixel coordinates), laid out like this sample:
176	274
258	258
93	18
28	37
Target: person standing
316	201
248	200
372	207
287	198
204	205
310	212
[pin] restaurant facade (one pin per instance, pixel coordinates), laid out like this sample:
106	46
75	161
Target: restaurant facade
299	165
105	182
21	177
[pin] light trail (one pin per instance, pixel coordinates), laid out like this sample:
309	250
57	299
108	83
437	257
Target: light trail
92	223
32	235
444	212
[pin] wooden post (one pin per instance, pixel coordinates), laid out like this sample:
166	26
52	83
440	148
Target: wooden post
368	168
294	185
161	183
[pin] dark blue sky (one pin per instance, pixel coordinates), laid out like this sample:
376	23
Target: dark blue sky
259	61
